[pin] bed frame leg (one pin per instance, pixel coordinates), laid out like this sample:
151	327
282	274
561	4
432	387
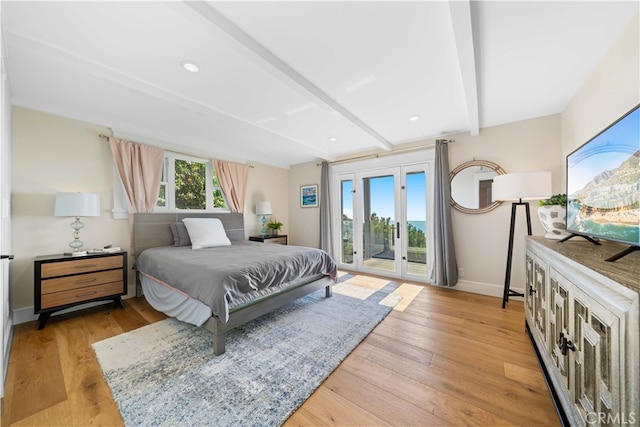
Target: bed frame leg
328	292
218	338
217	330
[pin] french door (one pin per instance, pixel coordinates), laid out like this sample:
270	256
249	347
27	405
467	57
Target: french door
384	221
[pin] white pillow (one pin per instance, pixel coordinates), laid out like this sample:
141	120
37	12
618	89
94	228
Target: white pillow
206	232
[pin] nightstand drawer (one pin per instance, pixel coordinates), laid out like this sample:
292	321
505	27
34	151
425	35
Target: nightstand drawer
65	268
83	294
282	240
67	283
63	281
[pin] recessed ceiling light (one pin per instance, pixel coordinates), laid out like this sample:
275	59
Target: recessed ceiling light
414	118
333	139
190	66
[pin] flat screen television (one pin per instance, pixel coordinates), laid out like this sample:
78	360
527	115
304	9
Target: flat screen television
603	185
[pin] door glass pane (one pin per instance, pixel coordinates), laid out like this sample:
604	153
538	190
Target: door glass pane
604	333
378	228
416	209
346	231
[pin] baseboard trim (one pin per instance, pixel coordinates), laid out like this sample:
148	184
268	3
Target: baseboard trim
488	289
25	315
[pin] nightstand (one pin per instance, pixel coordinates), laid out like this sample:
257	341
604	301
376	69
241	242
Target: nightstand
280	239
62	281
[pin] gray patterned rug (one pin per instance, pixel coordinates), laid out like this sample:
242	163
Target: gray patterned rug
166	374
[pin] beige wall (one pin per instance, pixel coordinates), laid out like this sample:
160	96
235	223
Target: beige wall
305	222
482	239
52	154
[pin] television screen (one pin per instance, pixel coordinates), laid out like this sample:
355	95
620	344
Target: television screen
603	183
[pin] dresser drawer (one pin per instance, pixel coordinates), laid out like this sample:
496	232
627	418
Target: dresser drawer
82	294
67	283
65	268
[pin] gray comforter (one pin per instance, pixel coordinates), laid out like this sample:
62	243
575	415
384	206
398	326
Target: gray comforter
220	276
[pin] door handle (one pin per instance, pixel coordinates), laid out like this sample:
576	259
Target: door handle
398	231
6	256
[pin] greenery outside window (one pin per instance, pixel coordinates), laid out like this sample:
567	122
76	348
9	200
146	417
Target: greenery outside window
189	184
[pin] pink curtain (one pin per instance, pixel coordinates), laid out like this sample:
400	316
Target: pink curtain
140	169
232	178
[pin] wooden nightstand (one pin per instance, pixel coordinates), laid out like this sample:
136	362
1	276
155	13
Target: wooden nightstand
280	239
62	281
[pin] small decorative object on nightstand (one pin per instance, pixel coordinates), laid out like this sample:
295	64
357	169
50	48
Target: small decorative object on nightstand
281	239
63	281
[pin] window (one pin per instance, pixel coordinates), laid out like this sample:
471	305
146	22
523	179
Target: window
189	183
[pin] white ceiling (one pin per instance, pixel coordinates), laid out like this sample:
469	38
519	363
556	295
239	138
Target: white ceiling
278	80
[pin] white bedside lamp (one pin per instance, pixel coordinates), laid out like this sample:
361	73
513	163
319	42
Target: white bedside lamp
263	209
77	205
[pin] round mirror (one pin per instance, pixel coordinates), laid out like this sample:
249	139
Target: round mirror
471	186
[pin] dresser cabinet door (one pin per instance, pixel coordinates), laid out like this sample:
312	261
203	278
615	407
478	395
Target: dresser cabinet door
561	334
539	298
596	388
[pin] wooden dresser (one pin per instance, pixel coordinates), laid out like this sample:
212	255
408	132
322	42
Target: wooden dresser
583	317
63	281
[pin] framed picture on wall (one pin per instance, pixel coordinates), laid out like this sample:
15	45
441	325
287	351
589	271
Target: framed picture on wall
309	196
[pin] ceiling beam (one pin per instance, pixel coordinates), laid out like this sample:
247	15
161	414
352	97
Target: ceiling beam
463	34
207	16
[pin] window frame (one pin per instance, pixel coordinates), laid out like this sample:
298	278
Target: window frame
168	181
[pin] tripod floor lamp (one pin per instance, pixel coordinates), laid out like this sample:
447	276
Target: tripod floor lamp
517	187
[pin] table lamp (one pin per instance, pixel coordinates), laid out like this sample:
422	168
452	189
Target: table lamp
77	205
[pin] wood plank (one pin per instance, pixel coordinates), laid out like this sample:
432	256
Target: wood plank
331	409
379	402
38	377
444	405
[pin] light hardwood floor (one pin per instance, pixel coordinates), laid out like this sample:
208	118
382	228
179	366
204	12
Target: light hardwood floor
450	358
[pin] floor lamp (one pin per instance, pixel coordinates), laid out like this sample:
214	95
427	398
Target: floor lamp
517	187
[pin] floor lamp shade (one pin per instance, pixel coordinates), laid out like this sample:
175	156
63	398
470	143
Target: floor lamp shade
77	205
521	186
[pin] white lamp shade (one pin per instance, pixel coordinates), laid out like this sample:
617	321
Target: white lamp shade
521	186
77	204
263	208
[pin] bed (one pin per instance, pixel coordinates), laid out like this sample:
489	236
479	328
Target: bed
251	278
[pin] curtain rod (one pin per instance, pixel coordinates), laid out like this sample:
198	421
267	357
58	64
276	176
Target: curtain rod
389	153
106	137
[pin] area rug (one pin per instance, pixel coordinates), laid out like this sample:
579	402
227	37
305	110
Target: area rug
166	374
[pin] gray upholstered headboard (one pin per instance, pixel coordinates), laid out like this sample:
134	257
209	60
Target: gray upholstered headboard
154	229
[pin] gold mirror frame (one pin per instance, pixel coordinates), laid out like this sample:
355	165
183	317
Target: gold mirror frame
463	166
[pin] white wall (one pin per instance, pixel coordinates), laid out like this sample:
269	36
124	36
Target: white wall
612	89
52	154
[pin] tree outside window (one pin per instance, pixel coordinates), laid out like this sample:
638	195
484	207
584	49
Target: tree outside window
189	184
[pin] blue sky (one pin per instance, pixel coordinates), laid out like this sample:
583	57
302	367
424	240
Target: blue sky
604	152
382	189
